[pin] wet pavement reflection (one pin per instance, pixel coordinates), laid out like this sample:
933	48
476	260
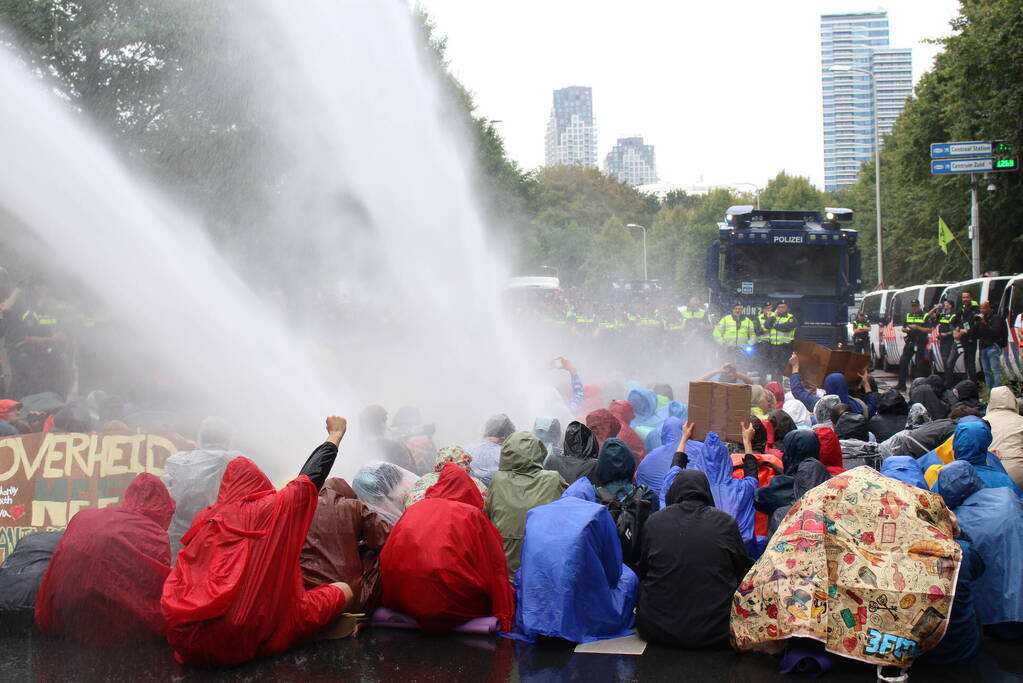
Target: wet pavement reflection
391	655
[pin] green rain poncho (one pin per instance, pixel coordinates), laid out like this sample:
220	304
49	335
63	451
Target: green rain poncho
520	484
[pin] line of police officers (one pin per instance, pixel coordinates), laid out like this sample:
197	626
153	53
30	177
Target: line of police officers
764	341
961	330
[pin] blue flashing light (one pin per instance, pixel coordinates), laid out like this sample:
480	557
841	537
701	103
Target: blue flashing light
749	349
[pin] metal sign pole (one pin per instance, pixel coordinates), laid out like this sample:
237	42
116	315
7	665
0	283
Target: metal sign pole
975	223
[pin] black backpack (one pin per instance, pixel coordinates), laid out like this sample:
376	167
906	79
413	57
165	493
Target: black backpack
629	516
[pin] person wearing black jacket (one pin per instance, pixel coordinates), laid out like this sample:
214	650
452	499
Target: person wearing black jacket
968	313
917	327
992	336
693	559
578	457
892	410
799	445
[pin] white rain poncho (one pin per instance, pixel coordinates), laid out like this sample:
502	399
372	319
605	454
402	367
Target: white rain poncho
382	487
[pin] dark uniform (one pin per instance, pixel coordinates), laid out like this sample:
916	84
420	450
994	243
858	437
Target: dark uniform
916	345
948	322
861	336
968	340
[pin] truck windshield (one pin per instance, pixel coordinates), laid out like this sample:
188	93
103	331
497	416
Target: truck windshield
788	268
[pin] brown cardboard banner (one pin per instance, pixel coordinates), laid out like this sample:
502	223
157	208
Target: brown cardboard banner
817	362
45	478
719	407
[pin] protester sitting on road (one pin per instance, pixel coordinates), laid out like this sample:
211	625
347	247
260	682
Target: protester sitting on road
693	559
343	545
798	412
520	484
409	430
922	391
444	564
572	583
103	585
993	520
260	606
579	455
382	487
830	450
731	495
906	469
624	413
768	465
782	423
835	384
22	572
849	425
375	443
486	455
726	374
657	462
193	477
778	391
761	401
614	474
1006	431
971	443
799	445
809	474
605	425
548	430
822	411
453	454
967	394
890	419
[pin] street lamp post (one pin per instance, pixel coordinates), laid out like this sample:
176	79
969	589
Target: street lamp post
877	160
756	191
636	225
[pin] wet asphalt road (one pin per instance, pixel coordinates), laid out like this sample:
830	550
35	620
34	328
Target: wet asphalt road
390	655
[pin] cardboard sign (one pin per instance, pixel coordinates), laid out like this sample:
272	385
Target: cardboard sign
46	478
719	407
817	362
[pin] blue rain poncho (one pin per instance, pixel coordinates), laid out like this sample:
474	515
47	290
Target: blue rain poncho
657	462
649	414
734	496
572	583
906	469
993	520
970	444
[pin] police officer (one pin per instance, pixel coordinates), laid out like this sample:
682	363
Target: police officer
733	333
948	323
780	334
861	334
917	326
969	311
694	319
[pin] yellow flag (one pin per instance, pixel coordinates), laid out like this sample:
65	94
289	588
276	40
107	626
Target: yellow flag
945	235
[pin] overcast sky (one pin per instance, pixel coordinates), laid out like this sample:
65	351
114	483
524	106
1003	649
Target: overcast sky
727	90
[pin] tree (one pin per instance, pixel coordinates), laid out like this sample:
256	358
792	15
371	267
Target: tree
786	191
974	92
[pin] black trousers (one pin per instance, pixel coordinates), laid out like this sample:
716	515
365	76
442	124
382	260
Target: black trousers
970	359
949	355
912	352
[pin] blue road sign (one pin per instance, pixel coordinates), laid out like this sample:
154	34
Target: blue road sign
941	150
976	165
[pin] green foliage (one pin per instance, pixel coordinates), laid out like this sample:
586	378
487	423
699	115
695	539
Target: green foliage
785	191
974	92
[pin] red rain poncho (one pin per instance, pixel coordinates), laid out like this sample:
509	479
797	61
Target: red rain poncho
103	584
624	413
444	562
236	590
831	450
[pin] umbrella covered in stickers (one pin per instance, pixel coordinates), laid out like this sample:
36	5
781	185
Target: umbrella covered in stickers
863	563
